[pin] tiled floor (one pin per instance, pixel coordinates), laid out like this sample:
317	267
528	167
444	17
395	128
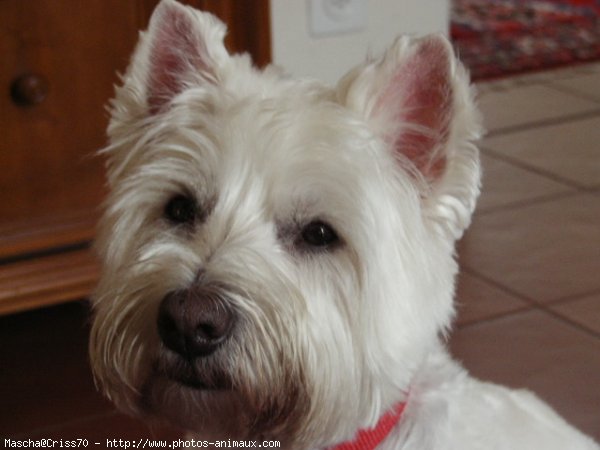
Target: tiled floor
528	296
529	293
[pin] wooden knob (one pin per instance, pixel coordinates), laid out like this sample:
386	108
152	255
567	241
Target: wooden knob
29	90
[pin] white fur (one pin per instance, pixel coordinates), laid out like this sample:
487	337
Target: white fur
327	341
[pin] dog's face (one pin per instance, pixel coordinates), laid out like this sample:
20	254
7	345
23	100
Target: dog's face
277	254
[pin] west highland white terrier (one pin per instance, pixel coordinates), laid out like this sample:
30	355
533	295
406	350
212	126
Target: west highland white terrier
278	254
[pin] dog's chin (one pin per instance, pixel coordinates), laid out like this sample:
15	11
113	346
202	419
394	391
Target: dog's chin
208	408
191	395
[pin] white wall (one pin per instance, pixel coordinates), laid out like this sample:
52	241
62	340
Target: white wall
327	58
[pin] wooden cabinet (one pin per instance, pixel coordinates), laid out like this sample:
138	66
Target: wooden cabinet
58	67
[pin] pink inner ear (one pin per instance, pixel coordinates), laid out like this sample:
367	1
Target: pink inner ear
176	50
422	94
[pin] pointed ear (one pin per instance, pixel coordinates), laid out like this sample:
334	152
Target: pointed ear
418	100
181	47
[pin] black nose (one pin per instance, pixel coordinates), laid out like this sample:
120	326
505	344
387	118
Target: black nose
194	322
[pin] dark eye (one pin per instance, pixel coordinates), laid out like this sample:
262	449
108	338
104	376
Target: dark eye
181	209
319	234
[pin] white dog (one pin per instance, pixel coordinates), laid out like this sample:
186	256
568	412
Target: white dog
278	254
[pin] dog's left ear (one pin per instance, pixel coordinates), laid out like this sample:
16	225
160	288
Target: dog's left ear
418	100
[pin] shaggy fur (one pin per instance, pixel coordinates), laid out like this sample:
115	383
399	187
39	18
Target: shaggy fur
327	337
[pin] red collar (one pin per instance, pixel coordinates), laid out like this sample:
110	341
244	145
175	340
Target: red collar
370	438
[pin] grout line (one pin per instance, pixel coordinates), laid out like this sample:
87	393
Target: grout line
506	84
540	308
572	92
544	173
544	123
579	326
502	287
542	77
498	285
493	317
573	298
534	305
525	203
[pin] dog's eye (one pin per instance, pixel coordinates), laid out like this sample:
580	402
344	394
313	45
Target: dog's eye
319	234
181	209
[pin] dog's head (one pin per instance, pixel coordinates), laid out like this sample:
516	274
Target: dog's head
277	254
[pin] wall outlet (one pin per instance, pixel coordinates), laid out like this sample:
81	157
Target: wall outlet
331	17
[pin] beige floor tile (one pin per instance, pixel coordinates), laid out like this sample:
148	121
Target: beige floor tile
570	150
536	351
585	85
504	84
477	300
545	77
505	184
585	311
545	251
589	67
528	104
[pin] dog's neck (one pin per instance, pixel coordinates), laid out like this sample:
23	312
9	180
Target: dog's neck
370	438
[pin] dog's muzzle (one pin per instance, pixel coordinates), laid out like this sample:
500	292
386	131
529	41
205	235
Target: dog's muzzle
195	322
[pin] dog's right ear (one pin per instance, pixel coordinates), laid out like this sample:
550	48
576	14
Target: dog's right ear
182	47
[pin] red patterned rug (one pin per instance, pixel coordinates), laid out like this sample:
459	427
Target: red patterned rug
496	38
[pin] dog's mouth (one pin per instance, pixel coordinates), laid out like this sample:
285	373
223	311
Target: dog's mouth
187	373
